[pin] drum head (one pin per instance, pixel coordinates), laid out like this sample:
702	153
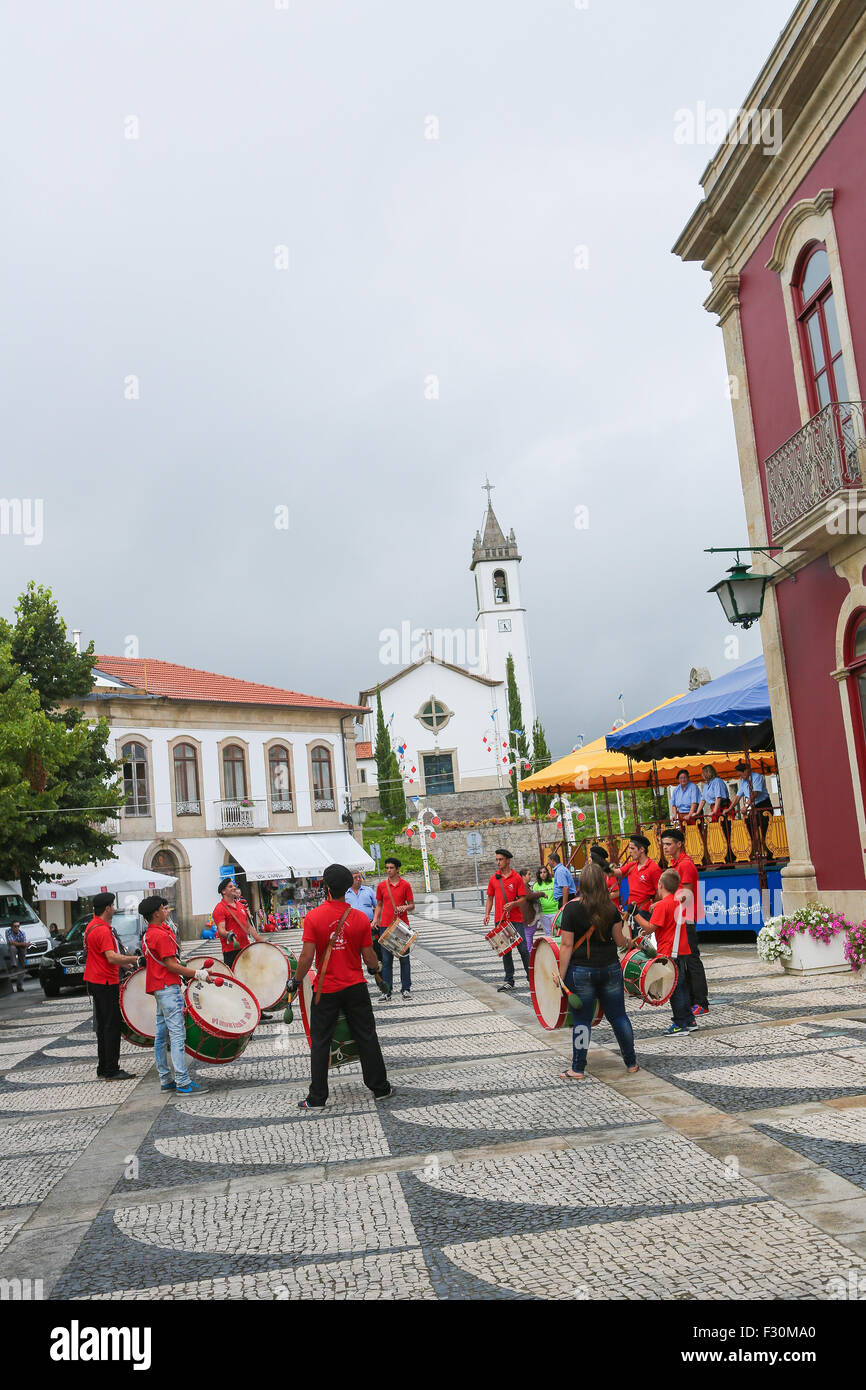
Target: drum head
138	1008
265	970
659	981
228	1011
217	966
548	1000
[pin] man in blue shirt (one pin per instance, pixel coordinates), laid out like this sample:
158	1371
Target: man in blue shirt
753	798
361	896
686	797
564	886
715	797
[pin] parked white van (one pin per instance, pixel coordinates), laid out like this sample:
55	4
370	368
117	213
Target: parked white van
13	908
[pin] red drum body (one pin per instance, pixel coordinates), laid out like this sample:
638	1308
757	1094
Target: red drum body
503	938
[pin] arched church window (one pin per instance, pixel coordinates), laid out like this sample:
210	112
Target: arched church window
500	587
433	715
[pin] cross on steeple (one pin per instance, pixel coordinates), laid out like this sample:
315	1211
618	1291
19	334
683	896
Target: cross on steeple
487	487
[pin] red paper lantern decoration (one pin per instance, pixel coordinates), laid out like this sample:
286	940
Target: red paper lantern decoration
435	820
412	769
410	833
432	834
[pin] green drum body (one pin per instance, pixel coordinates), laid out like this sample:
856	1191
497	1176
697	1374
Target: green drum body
343	1046
648	977
220	1019
137	1010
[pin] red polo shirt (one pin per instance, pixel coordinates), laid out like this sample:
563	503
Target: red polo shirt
688	872
503	890
99	938
664	924
643	880
227	916
402	892
344	966
161	944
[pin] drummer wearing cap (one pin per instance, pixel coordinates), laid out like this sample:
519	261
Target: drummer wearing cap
643	876
508	891
102	978
339	937
164	974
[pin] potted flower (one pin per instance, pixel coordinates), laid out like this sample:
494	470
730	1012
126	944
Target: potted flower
816	937
770	945
855	946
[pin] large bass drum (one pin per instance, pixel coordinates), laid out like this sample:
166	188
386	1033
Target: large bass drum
220	1019
137	1010
265	968
548	1000
343	1046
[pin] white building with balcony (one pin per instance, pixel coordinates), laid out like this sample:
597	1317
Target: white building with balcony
220	772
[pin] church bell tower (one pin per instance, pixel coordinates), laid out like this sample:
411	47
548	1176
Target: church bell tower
500	615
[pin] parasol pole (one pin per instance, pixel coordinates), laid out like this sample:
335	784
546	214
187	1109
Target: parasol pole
633	793
595	813
757	839
607	814
537	827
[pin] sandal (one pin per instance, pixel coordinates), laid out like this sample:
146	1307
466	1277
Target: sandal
572	1075
631	1070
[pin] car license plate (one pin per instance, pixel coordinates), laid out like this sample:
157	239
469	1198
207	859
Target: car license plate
73	969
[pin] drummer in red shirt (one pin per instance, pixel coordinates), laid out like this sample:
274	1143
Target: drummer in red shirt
164	974
230	918
668	923
102	977
508	891
673	841
394	898
338	937
643	876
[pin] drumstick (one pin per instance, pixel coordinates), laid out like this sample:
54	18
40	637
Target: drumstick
574	1000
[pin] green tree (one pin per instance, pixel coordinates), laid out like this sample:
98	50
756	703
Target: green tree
515	721
540	759
58	783
383	754
397	796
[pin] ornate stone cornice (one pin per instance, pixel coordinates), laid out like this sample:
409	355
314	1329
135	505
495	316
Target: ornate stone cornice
725	296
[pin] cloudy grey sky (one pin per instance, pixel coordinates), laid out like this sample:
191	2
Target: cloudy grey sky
408	257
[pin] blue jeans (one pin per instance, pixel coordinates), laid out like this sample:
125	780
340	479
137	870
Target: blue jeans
388	970
602	983
170	1025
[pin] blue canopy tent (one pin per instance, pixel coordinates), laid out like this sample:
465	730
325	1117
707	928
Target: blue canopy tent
731	714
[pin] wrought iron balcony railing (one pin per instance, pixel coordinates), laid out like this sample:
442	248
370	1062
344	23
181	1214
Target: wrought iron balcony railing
248	814
816	464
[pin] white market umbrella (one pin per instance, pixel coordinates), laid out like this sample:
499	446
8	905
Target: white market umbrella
113	877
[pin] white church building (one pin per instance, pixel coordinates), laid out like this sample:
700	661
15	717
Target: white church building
446	709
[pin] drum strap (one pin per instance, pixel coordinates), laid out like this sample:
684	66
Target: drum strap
404	918
334	934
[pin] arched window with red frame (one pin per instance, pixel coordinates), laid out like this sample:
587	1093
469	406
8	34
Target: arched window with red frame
854	655
820	341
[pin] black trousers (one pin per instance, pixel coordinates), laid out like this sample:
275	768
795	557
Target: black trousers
354	1002
694	968
106	1020
230	955
520	948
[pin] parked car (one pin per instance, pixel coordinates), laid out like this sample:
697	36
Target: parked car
14	908
63	966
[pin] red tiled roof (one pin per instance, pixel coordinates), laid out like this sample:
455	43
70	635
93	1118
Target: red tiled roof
185	683
363	750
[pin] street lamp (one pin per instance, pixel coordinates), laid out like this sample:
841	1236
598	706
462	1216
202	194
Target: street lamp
742	593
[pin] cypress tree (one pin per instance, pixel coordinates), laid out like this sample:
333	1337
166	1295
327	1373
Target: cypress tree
540	758
515	719
383	754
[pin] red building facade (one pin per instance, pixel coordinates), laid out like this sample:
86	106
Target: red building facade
782	232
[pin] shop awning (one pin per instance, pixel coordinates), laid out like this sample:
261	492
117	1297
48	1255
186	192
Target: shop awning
258	855
309	854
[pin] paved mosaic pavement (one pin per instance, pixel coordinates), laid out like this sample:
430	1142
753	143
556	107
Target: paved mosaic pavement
485	1176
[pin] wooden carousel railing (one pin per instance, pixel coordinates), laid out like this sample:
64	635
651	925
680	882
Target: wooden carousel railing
741	843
